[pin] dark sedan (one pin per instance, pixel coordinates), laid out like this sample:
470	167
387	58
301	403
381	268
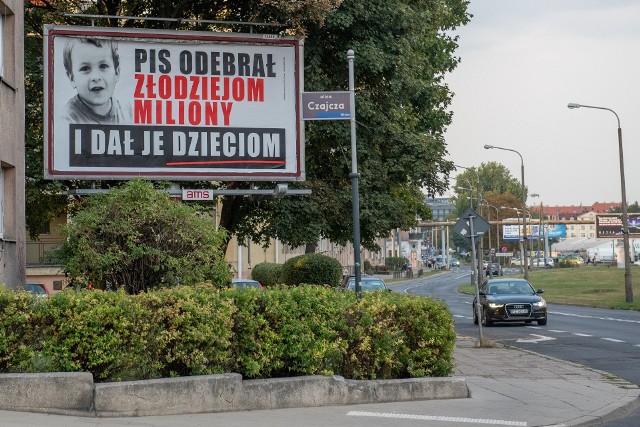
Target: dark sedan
510	300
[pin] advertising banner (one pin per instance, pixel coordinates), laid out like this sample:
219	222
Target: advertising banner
184	105
610	225
552	231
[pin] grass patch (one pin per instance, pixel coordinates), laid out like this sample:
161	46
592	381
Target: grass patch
600	286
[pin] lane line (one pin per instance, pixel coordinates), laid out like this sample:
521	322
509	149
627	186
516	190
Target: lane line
436	418
612	340
581	335
586	316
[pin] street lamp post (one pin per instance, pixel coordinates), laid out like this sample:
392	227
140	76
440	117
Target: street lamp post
628	285
480	248
524	204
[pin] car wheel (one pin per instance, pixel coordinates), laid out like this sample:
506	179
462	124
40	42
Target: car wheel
485	319
542	322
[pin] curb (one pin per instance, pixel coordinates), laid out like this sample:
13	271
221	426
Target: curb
76	394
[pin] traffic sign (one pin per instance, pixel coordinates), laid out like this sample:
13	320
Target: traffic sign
463	225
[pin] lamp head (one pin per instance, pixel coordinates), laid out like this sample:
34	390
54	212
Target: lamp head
487	146
573	105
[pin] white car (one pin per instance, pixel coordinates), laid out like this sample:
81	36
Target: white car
541	262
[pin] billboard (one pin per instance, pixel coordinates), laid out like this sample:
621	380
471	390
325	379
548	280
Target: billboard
610	225
180	105
551	231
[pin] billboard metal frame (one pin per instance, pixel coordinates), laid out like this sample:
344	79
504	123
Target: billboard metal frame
271	126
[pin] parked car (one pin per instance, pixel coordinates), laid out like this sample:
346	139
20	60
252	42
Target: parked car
38	289
517	261
541	262
246	283
510	300
496	270
454	262
367	283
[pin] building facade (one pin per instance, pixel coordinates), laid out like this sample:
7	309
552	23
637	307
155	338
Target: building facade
12	169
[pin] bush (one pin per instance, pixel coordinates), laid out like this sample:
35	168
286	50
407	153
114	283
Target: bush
267	273
368	268
395	263
305	330
312	269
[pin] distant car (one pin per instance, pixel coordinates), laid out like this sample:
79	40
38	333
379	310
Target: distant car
510	300
246	283
637	262
496	270
517	261
38	289
367	283
542	263
454	262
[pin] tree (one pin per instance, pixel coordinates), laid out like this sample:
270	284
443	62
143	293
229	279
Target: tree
632	208
403	50
136	238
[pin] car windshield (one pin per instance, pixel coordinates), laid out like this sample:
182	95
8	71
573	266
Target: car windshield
368	285
246	284
34	288
515	287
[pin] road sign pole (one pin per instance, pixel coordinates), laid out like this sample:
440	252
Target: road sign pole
477	307
354	177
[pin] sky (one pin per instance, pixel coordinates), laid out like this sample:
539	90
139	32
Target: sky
522	62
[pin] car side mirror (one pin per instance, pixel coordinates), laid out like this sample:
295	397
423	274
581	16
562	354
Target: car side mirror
540	291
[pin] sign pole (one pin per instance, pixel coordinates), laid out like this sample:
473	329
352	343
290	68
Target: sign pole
477	289
354	177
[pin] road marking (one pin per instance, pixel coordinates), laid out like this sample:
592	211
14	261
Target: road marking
581	335
436	418
557	330
612	340
539	339
585	316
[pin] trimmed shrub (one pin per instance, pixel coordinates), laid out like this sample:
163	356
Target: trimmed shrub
368	267
312	269
395	263
281	331
267	273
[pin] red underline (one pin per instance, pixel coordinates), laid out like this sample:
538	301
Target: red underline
227	162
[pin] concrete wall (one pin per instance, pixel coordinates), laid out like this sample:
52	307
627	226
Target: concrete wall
75	393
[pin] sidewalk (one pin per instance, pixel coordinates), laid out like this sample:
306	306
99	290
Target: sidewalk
510	383
508	387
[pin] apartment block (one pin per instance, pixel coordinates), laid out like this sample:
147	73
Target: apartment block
12	169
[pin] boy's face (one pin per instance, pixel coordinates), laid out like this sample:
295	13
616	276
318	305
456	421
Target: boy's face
94	75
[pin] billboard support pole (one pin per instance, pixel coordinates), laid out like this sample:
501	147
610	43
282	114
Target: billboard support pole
354	177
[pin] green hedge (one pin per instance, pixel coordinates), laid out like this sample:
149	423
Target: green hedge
312	269
305	330
267	273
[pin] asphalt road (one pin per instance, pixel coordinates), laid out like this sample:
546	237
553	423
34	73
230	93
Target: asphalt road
608	340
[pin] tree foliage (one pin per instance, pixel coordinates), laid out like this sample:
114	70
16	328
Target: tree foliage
136	238
403	51
632	208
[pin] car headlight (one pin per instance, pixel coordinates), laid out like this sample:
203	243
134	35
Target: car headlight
495	305
540	304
